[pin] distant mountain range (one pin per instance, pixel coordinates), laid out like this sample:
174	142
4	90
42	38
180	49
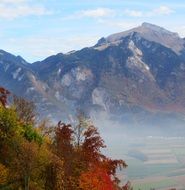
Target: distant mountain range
142	69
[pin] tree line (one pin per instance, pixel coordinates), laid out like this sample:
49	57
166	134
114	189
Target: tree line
39	156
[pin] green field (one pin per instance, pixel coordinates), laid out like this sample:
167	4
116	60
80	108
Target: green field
159	184
163	167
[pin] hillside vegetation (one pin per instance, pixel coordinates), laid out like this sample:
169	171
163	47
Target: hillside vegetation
44	157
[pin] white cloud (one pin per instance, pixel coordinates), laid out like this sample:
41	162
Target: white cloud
179	29
133	13
118	25
11	9
163	10
99	12
102	12
92	13
12	1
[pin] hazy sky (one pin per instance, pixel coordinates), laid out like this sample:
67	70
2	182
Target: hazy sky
36	29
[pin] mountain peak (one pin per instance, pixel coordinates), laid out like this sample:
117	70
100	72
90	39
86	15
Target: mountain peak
8	57
149	32
156	28
153	27
149	25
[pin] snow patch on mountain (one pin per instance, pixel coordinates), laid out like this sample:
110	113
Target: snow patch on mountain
136	59
98	97
16	73
59	71
66	80
57	95
6	67
76	75
82	74
30	90
134	49
21	77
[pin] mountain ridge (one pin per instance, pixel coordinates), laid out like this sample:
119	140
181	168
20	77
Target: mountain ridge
125	71
150	32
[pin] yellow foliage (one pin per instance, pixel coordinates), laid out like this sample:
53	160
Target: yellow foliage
3	174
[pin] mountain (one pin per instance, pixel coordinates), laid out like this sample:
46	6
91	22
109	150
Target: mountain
139	70
153	33
17	75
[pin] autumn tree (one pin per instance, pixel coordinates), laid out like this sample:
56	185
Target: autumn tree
10	134
79	129
127	186
3	174
92	145
55	174
25	110
23	151
3	96
80	152
29	165
63	146
96	178
52	158
91	148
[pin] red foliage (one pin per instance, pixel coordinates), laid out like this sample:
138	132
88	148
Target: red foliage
3	96
96	179
92	145
63	138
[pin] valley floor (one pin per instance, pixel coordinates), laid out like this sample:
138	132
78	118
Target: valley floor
153	162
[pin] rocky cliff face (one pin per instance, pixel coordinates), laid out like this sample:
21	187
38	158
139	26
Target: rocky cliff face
140	69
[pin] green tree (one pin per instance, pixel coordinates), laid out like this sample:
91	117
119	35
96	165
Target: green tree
10	134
